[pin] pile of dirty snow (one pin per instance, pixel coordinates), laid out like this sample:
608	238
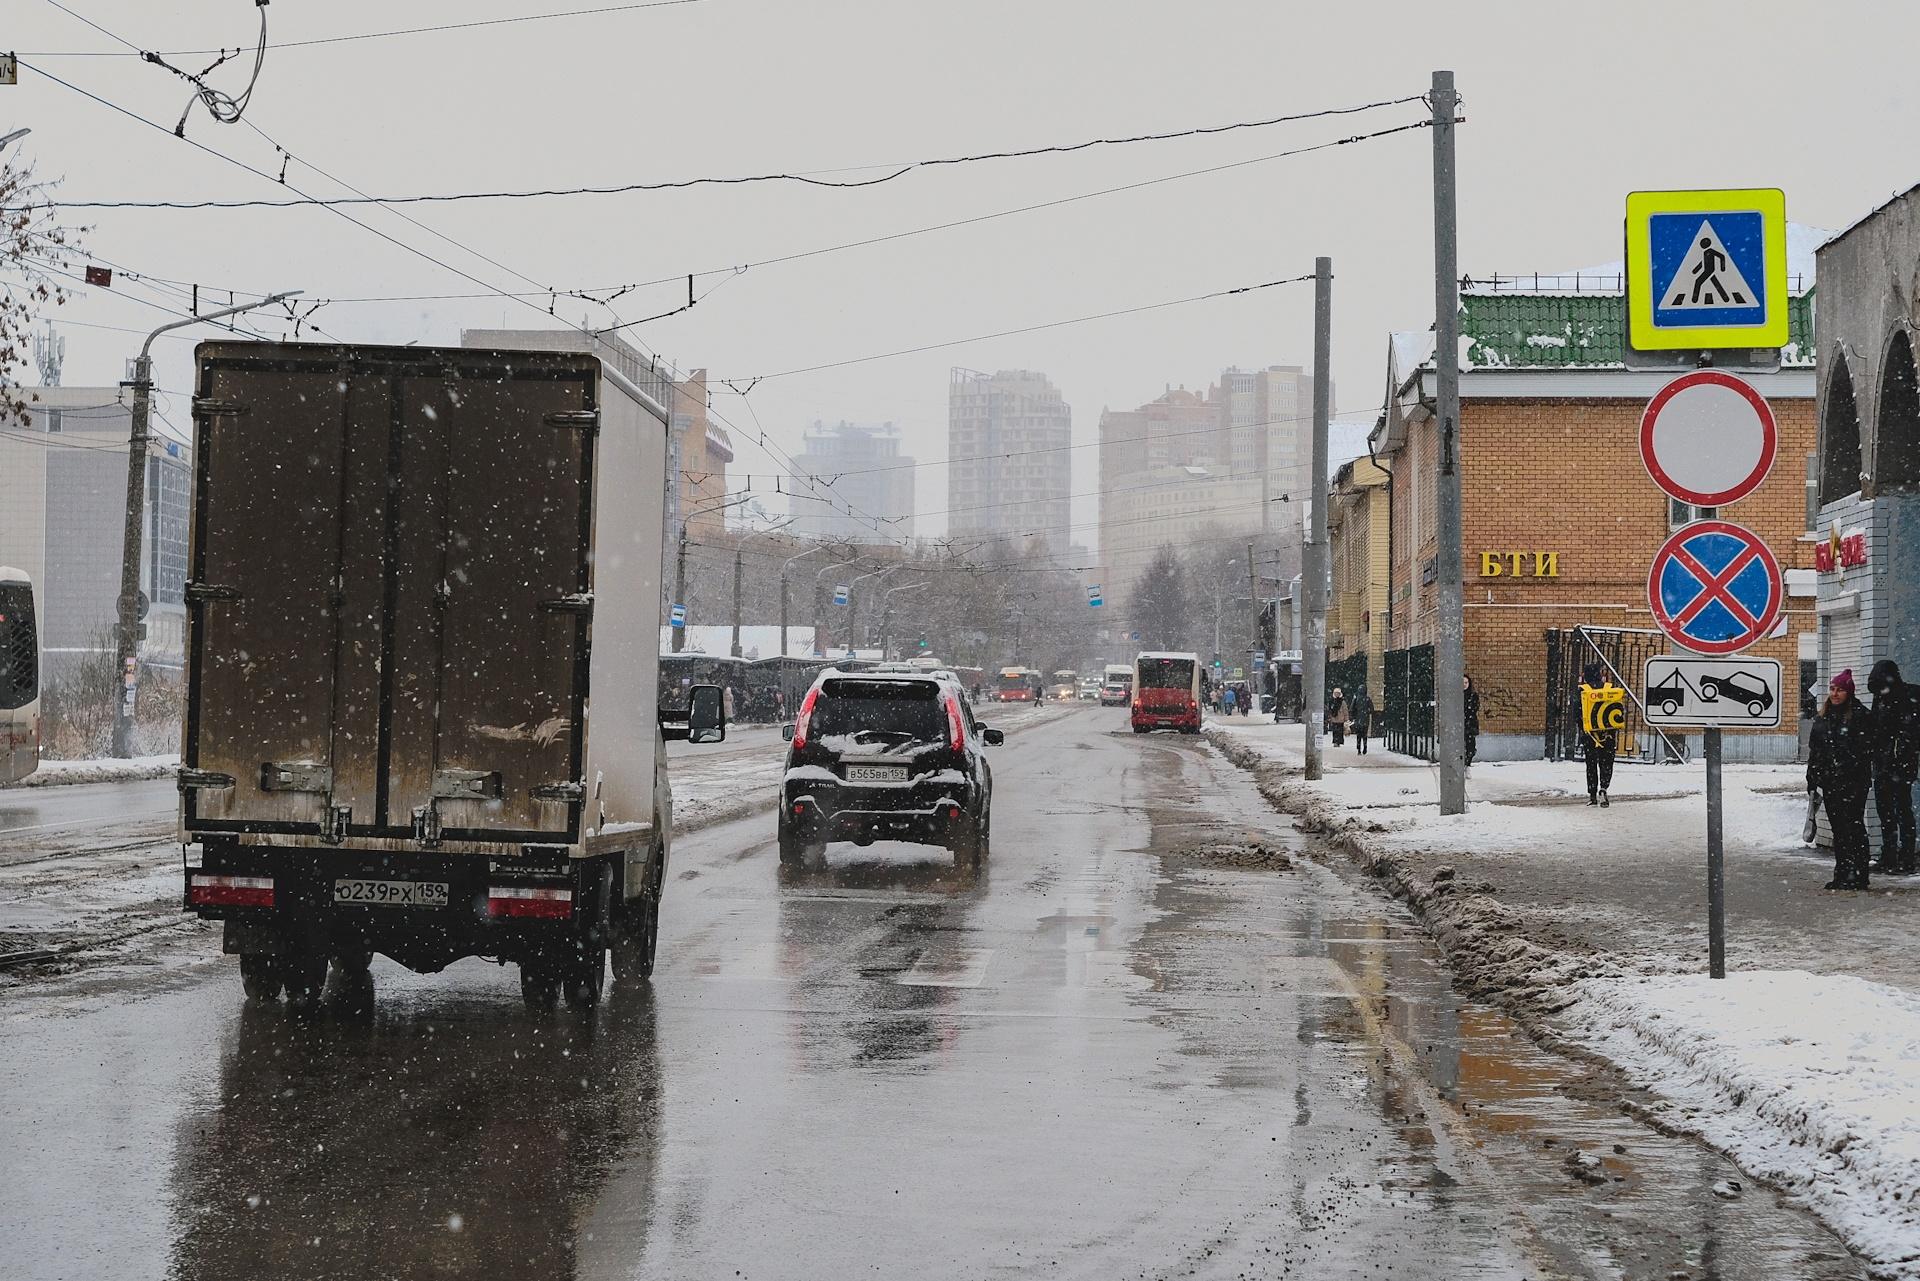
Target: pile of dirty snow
1806	1080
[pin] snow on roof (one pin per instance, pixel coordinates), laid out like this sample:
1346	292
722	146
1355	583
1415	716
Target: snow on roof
1167	653
1608	277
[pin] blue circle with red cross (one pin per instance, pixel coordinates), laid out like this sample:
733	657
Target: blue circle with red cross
1715	588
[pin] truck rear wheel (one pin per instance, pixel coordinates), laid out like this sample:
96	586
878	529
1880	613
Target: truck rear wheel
305	977
259	976
586	977
539	986
636	929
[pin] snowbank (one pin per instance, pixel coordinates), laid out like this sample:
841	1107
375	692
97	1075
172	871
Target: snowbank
1807	1080
59	773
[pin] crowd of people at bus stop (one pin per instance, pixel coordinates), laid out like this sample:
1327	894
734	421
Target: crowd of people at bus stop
1860	750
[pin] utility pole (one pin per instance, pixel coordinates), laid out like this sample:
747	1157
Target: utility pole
1313	667
1253	603
739	568
680	591
1450	660
127	647
789	563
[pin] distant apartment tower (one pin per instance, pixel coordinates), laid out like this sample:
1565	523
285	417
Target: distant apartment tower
851	465
1009	468
1275	403
63	505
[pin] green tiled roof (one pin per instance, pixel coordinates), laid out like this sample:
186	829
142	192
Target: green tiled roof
1572	330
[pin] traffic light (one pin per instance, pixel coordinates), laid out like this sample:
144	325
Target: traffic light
923	642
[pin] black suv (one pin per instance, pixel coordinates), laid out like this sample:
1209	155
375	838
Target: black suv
885	757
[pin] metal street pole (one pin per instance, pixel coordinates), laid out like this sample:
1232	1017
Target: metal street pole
820	602
1716	863
1450	660
1313	567
739	566
886	614
127	647
680	591
787	565
853	604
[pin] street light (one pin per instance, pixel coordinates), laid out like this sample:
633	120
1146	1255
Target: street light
886	613
819	606
8	139
126	667
739	563
853	601
680	567
785	566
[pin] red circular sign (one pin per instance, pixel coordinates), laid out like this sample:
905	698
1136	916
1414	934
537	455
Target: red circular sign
1708	438
1715	588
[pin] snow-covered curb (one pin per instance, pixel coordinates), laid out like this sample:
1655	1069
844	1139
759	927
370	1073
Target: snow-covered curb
132	770
1808	1081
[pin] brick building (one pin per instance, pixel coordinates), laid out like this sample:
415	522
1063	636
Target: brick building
1358	535
1559	518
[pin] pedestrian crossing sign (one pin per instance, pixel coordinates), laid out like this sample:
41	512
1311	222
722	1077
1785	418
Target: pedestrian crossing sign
1706	269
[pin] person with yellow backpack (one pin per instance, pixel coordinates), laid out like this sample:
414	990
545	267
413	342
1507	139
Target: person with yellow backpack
1603	707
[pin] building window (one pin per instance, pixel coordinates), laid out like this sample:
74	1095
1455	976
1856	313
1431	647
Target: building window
1679	513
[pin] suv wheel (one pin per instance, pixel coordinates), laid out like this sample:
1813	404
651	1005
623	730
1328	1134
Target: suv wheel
969	844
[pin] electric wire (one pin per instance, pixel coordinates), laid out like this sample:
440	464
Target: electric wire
303	199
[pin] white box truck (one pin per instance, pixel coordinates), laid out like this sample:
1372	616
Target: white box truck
422	634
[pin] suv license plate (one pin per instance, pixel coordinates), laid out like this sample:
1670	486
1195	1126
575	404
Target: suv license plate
357	892
876	773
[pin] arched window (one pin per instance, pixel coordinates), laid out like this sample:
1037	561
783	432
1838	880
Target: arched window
1896	436
1839	435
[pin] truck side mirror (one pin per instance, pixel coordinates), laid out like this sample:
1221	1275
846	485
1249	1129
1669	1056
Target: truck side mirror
706	715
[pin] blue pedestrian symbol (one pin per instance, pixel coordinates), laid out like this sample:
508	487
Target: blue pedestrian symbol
1715	588
1709	269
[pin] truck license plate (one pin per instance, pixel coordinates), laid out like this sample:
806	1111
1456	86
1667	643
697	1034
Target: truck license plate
876	773
358	892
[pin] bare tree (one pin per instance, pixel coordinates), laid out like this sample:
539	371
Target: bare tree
1161	609
33	248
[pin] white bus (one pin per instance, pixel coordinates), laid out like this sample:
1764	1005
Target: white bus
19	678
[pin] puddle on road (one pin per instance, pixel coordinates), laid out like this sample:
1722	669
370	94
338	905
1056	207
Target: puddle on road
1601	1193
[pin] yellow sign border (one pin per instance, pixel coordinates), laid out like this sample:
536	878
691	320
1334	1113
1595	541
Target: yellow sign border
1642	334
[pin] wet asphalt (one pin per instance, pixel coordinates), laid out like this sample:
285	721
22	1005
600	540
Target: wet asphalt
1109	1054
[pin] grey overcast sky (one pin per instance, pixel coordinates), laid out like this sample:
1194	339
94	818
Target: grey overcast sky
1568	108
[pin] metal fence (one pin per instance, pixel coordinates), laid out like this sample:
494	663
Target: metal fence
1623	653
1406	704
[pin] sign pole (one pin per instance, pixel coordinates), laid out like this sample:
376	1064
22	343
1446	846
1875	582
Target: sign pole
1716	863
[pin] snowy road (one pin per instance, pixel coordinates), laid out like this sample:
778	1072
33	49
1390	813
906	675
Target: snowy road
1149	1039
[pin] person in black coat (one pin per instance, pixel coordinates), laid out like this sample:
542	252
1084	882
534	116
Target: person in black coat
1472	697
1896	761
1840	768
1360	716
1598	744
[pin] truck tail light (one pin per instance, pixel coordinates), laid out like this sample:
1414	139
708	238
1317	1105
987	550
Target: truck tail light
956	723
204	890
806	715
530	901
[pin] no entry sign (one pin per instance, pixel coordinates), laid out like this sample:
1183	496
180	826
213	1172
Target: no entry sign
1708	438
1715	588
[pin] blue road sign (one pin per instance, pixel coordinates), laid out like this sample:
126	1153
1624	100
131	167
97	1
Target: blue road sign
840	594
677	617
1714	588
1093	596
1706	269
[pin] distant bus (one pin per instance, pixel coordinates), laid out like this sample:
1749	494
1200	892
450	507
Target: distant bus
1167	690
19	678
1017	685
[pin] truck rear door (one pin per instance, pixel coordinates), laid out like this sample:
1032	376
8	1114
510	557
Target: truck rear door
389	610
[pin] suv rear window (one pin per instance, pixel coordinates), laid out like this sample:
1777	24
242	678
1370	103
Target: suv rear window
880	713
1166	673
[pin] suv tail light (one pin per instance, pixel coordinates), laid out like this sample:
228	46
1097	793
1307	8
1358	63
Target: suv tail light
806	715
956	723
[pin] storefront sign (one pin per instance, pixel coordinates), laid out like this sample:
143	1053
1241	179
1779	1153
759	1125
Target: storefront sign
1841	551
1519	564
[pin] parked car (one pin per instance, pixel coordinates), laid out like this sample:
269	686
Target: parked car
887	757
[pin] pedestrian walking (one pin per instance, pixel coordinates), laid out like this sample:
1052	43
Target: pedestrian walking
1337	716
1360	708
1896	761
1472	699
1599	742
1227	699
1840	769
